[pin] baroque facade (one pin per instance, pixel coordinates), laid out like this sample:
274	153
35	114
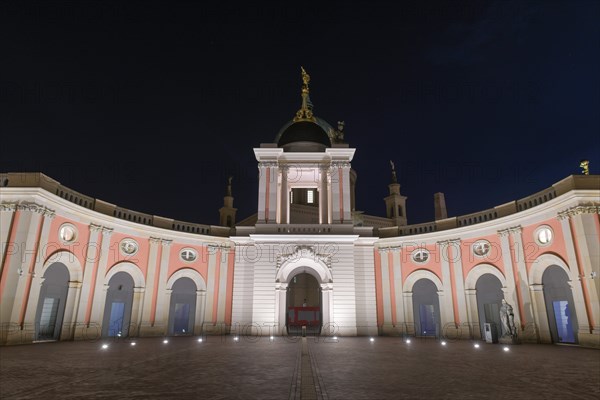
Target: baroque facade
75	267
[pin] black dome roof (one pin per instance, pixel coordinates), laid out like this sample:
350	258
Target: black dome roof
304	131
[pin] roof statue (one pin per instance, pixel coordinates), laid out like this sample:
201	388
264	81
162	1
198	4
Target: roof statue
585	167
338	134
394	178
229	185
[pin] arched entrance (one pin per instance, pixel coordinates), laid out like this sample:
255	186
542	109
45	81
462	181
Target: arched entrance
51	305
426	308
119	301
489	300
303	259
182	309
562	319
303	305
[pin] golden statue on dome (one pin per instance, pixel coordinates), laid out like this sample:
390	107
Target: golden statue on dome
305	113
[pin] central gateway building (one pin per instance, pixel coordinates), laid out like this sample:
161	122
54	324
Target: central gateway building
303	248
75	267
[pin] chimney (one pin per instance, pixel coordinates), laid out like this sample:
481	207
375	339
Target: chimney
439	203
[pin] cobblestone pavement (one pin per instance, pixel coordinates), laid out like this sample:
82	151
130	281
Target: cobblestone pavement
293	368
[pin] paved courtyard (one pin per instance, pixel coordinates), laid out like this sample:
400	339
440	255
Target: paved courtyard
286	368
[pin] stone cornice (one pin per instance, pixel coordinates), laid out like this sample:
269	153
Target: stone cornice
591	208
340	164
25	206
265	164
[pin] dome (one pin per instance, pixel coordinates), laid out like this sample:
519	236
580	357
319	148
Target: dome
303	131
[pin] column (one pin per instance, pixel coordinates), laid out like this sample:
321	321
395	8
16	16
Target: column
586	247
385	291
273	174
21	277
323	195
539	308
146	324
336	183
472	313
459	285
284	199
91	258
136	311
163	301
199	316
397	268
347	211
68	325
408	312
328	315
280	307
523	279
36	277
447	305
510	292
101	287
577	289
262	192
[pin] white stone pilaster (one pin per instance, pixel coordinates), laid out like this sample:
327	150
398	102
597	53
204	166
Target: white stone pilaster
510	292
91	256
522	273
163	301
101	286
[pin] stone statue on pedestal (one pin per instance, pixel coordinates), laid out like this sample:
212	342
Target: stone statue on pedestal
507	317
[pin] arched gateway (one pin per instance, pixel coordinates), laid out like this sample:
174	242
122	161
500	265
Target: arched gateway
302	262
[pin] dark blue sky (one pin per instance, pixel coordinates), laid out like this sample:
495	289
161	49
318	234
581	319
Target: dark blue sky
151	105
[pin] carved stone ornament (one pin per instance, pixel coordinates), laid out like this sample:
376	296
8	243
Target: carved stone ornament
304	251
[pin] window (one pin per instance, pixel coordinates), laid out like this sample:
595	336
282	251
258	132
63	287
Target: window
481	248
67	233
188	255
310	199
543	235
420	256
128	247
291	196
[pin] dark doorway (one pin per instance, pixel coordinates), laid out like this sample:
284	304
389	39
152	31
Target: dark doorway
562	319
426	308
489	301
51	305
117	311
182	309
304	305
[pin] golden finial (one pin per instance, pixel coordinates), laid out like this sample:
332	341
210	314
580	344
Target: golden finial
305	79
585	167
305	113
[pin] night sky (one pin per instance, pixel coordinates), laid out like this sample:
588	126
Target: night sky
151	105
